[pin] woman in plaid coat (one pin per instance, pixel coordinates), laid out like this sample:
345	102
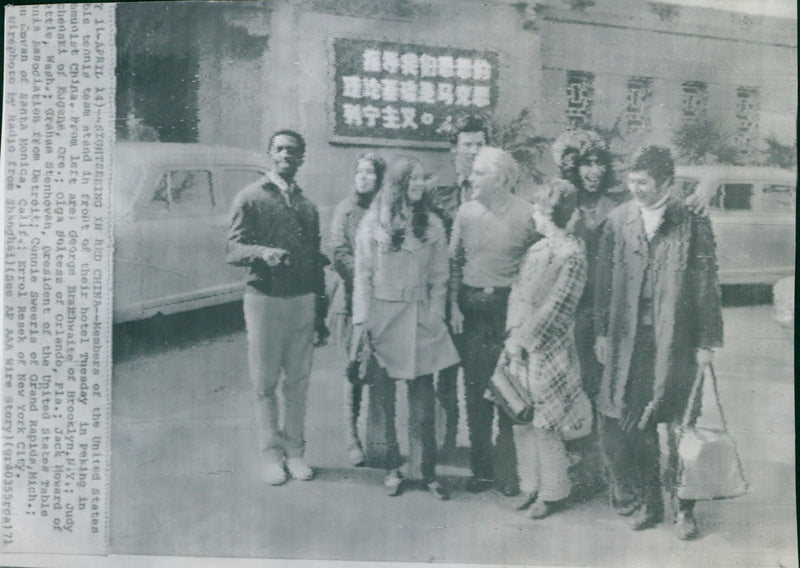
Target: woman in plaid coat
540	349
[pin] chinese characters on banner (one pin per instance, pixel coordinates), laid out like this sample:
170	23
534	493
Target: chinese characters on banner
408	92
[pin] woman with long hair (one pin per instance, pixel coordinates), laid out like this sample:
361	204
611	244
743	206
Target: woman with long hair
367	181
401	271
539	356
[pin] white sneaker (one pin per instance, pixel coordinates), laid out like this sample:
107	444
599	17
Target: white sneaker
274	474
299	470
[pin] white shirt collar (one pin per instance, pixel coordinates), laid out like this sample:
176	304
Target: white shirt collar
653	216
285	188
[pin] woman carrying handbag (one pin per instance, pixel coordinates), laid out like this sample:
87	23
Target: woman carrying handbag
539	363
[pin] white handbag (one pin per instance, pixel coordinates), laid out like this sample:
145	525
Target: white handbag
709	465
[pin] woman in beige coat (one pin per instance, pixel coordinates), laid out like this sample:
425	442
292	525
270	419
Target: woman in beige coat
401	271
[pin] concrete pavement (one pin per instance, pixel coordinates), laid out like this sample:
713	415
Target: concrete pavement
185	470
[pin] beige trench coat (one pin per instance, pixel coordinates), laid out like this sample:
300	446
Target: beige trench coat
400	298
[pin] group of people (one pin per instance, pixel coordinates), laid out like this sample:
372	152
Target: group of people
595	306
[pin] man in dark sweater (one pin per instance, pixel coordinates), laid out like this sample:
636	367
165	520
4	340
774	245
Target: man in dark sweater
274	232
470	136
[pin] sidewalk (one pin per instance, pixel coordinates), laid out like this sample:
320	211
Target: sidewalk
185	475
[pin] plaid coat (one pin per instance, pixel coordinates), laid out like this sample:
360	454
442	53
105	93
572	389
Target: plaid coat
541	316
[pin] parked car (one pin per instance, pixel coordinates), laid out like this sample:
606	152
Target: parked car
171	206
752	210
783	298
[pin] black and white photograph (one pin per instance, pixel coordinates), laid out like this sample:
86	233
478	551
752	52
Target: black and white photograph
474	282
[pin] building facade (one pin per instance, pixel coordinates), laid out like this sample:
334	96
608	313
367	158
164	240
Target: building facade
353	75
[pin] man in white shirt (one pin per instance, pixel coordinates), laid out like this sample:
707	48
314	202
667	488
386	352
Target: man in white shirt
470	136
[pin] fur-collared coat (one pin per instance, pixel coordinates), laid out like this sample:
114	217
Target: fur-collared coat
686	302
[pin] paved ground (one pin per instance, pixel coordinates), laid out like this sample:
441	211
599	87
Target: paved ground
184	470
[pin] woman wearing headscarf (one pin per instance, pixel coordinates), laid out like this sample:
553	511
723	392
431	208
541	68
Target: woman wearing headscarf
539	356
401	271
368	178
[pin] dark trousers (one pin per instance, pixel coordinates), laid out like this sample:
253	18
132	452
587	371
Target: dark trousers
633	461
481	345
588	475
447	403
421	431
633	457
591	369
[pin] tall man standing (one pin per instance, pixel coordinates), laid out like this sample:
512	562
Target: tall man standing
470	136
659	314
491	235
274	232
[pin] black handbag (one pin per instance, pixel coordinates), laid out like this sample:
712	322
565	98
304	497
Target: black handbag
506	391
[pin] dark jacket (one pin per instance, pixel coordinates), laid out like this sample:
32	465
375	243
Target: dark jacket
444	201
686	302
346	218
260	217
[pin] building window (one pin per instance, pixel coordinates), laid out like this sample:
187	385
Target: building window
748	105
694	105
580	98
638	104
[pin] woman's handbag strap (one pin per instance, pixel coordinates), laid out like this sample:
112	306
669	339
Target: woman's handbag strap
696	392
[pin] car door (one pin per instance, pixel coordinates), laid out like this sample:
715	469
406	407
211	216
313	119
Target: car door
774	212
128	178
174	215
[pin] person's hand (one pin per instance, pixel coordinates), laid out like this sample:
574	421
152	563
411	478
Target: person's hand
697	202
456	319
704	357
273	256
601	349
359	329
517	358
513	348
647	415
321	335
634	420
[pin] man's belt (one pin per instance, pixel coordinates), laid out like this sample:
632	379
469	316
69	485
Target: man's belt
401	294
488	289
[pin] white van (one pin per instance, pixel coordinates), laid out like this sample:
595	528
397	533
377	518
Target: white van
752	210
